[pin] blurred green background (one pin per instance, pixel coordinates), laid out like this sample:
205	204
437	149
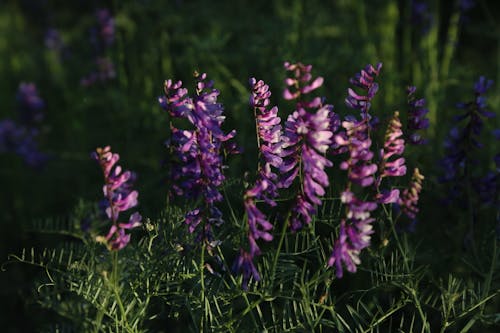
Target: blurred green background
441	50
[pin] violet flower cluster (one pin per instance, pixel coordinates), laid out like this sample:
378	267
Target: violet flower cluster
355	230
307	138
197	164
20	137
364	80
102	39
462	141
269	135
416	118
119	197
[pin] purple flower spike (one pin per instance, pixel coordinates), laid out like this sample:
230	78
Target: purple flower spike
416	118
244	265
119	197
409	199
107	26
359	166
308	139
197	164
366	81
299	84
354	234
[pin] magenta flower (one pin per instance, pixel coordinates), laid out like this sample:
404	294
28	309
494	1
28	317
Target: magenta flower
197	163
119	197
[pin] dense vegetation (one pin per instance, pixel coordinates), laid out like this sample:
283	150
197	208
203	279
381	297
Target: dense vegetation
296	166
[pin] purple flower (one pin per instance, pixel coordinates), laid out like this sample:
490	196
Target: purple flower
410	196
299	85
30	104
359	166
354	234
21	140
308	138
119	197
197	163
421	15
364	80
53	40
416	118
244	265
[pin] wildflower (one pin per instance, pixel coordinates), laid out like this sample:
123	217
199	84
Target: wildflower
106	25
308	138
105	72
244	265
410	196
197	153
299	85
366	81
416	118
119	197
21	140
394	145
354	234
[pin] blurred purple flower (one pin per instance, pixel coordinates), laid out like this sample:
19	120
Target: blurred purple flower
30	104
421	15
119	197
53	40
461	141
106	25
416	118
105	72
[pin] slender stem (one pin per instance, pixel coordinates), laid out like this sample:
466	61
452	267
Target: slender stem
202	281
280	245
116	289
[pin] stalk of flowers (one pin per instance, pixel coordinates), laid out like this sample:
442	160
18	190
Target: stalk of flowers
269	135
416	118
307	138
197	166
409	199
355	230
299	85
391	165
461	142
364	80
119	197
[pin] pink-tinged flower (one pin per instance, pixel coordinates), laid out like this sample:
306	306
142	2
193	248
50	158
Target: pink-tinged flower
299	85
410	196
391	165
197	164
119	197
355	139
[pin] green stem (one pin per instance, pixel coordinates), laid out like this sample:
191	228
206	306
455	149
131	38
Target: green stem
280	245
202	281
